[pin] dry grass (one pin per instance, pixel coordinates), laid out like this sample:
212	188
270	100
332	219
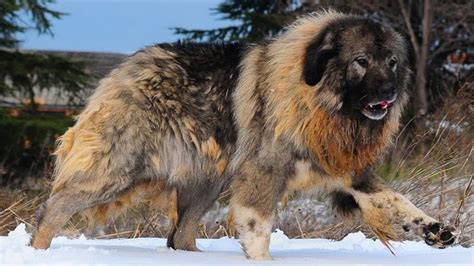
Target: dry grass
15	208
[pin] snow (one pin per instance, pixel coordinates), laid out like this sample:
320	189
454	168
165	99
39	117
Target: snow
455	68
353	249
459	70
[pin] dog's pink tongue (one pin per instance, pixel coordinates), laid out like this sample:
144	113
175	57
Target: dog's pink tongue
384	104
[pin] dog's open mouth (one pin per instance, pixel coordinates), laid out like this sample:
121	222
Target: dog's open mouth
377	110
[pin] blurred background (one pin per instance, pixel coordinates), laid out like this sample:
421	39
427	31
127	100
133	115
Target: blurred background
53	53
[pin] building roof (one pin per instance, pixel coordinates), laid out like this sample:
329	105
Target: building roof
98	65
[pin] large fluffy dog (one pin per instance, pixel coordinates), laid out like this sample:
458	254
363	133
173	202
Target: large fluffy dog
312	108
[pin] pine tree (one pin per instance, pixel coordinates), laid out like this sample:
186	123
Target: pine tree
254	20
21	74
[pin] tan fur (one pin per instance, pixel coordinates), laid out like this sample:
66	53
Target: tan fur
210	148
284	200
221	165
305	179
151	192
284	70
230	224
156	161
172	205
43	238
385	212
246	103
335	147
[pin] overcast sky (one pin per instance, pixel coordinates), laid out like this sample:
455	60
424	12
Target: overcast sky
121	25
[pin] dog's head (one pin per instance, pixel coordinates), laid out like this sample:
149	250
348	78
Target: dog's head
364	65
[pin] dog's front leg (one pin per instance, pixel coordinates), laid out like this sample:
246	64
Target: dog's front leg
389	214
256	191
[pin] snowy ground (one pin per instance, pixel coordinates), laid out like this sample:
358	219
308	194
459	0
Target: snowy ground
354	249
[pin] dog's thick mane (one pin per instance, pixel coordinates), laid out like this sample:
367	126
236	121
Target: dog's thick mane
306	115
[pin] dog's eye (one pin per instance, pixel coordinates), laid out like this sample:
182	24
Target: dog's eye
362	62
392	63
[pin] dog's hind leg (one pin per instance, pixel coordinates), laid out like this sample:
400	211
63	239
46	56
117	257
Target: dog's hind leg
184	233
73	198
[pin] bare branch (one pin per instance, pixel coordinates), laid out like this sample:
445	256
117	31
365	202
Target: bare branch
411	32
422	59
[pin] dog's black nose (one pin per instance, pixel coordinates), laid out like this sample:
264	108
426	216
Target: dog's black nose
388	93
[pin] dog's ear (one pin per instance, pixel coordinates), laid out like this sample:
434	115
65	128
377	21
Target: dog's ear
318	53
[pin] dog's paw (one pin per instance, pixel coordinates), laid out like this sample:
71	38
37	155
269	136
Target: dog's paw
439	235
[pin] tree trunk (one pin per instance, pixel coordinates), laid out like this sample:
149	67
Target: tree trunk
31	96
422	60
